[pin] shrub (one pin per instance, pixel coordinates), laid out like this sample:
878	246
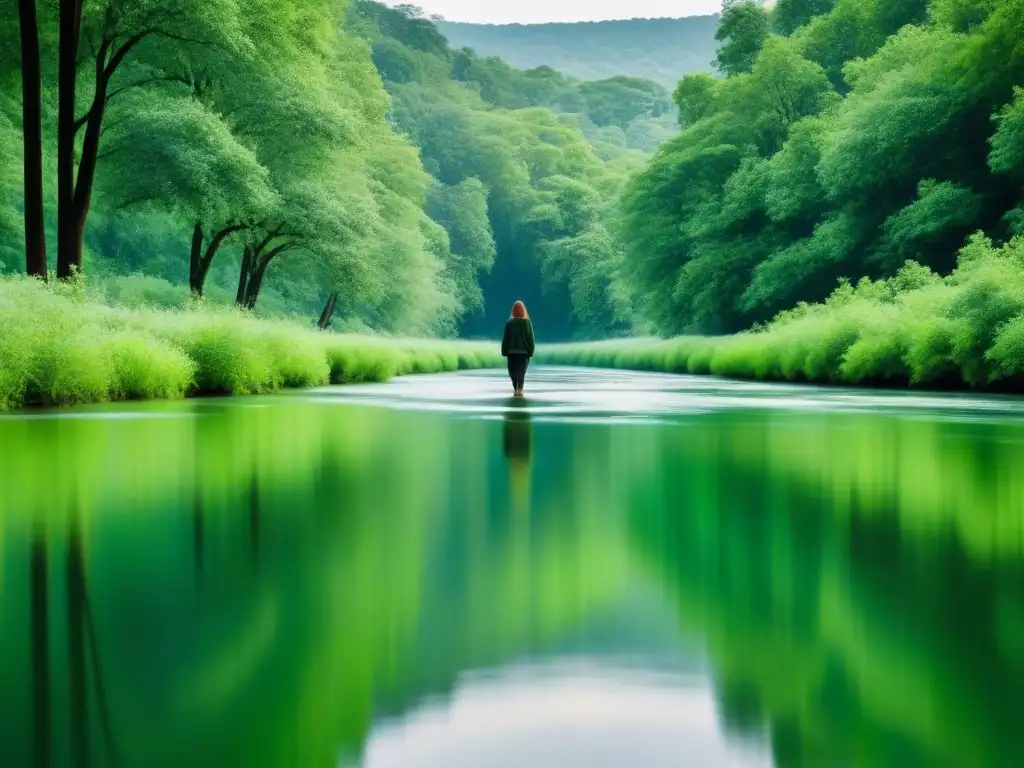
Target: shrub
60	345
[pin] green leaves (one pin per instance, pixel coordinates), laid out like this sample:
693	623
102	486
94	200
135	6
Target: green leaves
780	184
742	30
177	153
1007	155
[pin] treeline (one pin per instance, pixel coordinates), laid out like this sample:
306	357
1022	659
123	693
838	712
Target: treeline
229	147
846	138
277	155
529	166
662	50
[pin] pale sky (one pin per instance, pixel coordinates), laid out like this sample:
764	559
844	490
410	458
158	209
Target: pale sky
536	11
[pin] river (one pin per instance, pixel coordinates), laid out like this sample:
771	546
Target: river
622	570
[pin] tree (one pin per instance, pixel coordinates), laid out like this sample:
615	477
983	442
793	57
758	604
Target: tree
32	135
177	154
622	101
694	96
961	15
742	30
790	15
462	210
114	31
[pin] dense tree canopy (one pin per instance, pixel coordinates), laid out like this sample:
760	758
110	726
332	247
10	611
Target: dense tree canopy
543	155
257	131
277	153
849	142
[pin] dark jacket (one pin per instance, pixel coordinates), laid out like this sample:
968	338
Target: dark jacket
518	338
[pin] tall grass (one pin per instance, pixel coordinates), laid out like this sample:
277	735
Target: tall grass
965	330
59	346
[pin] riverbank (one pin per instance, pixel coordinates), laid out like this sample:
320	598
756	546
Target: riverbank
917	329
59	347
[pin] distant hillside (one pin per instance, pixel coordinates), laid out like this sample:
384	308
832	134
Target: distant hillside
662	50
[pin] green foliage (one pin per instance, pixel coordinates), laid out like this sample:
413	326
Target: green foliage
694	96
742	30
1007	142
961	15
790	15
462	211
844	150
916	328
622	101
262	128
62	347
942	212
12	248
179	154
695	222
528	166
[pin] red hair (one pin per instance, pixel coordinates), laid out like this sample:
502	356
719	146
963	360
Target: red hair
519	310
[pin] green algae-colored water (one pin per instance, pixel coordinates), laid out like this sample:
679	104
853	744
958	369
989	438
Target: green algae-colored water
623	570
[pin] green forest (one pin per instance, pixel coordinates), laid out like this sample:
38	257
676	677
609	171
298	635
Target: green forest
840	191
662	50
277	154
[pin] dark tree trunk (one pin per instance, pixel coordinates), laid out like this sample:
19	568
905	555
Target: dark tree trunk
325	317
74	195
256	282
39	576
195	284
201	263
244	276
260	270
32	135
68	250
90	154
77	673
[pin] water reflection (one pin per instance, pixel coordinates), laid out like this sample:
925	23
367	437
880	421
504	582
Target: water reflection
517	442
282	582
39	644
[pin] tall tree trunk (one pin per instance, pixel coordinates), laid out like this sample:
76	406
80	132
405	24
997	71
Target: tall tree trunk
39	576
90	154
194	260
68	249
32	137
325	317
244	276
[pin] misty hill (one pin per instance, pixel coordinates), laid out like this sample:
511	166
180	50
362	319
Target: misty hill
662	50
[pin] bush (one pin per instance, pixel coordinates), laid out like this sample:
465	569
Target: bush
60	345
964	330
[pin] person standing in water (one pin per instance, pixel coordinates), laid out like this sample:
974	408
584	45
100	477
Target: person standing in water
517	345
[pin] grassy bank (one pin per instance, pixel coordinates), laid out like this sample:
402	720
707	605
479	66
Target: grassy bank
59	347
965	331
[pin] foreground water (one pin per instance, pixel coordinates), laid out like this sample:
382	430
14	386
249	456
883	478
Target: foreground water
623	570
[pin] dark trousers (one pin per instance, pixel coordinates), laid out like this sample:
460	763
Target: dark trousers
517	365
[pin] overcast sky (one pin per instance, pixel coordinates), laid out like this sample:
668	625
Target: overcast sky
534	11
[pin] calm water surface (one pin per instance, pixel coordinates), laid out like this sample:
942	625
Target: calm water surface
625	570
